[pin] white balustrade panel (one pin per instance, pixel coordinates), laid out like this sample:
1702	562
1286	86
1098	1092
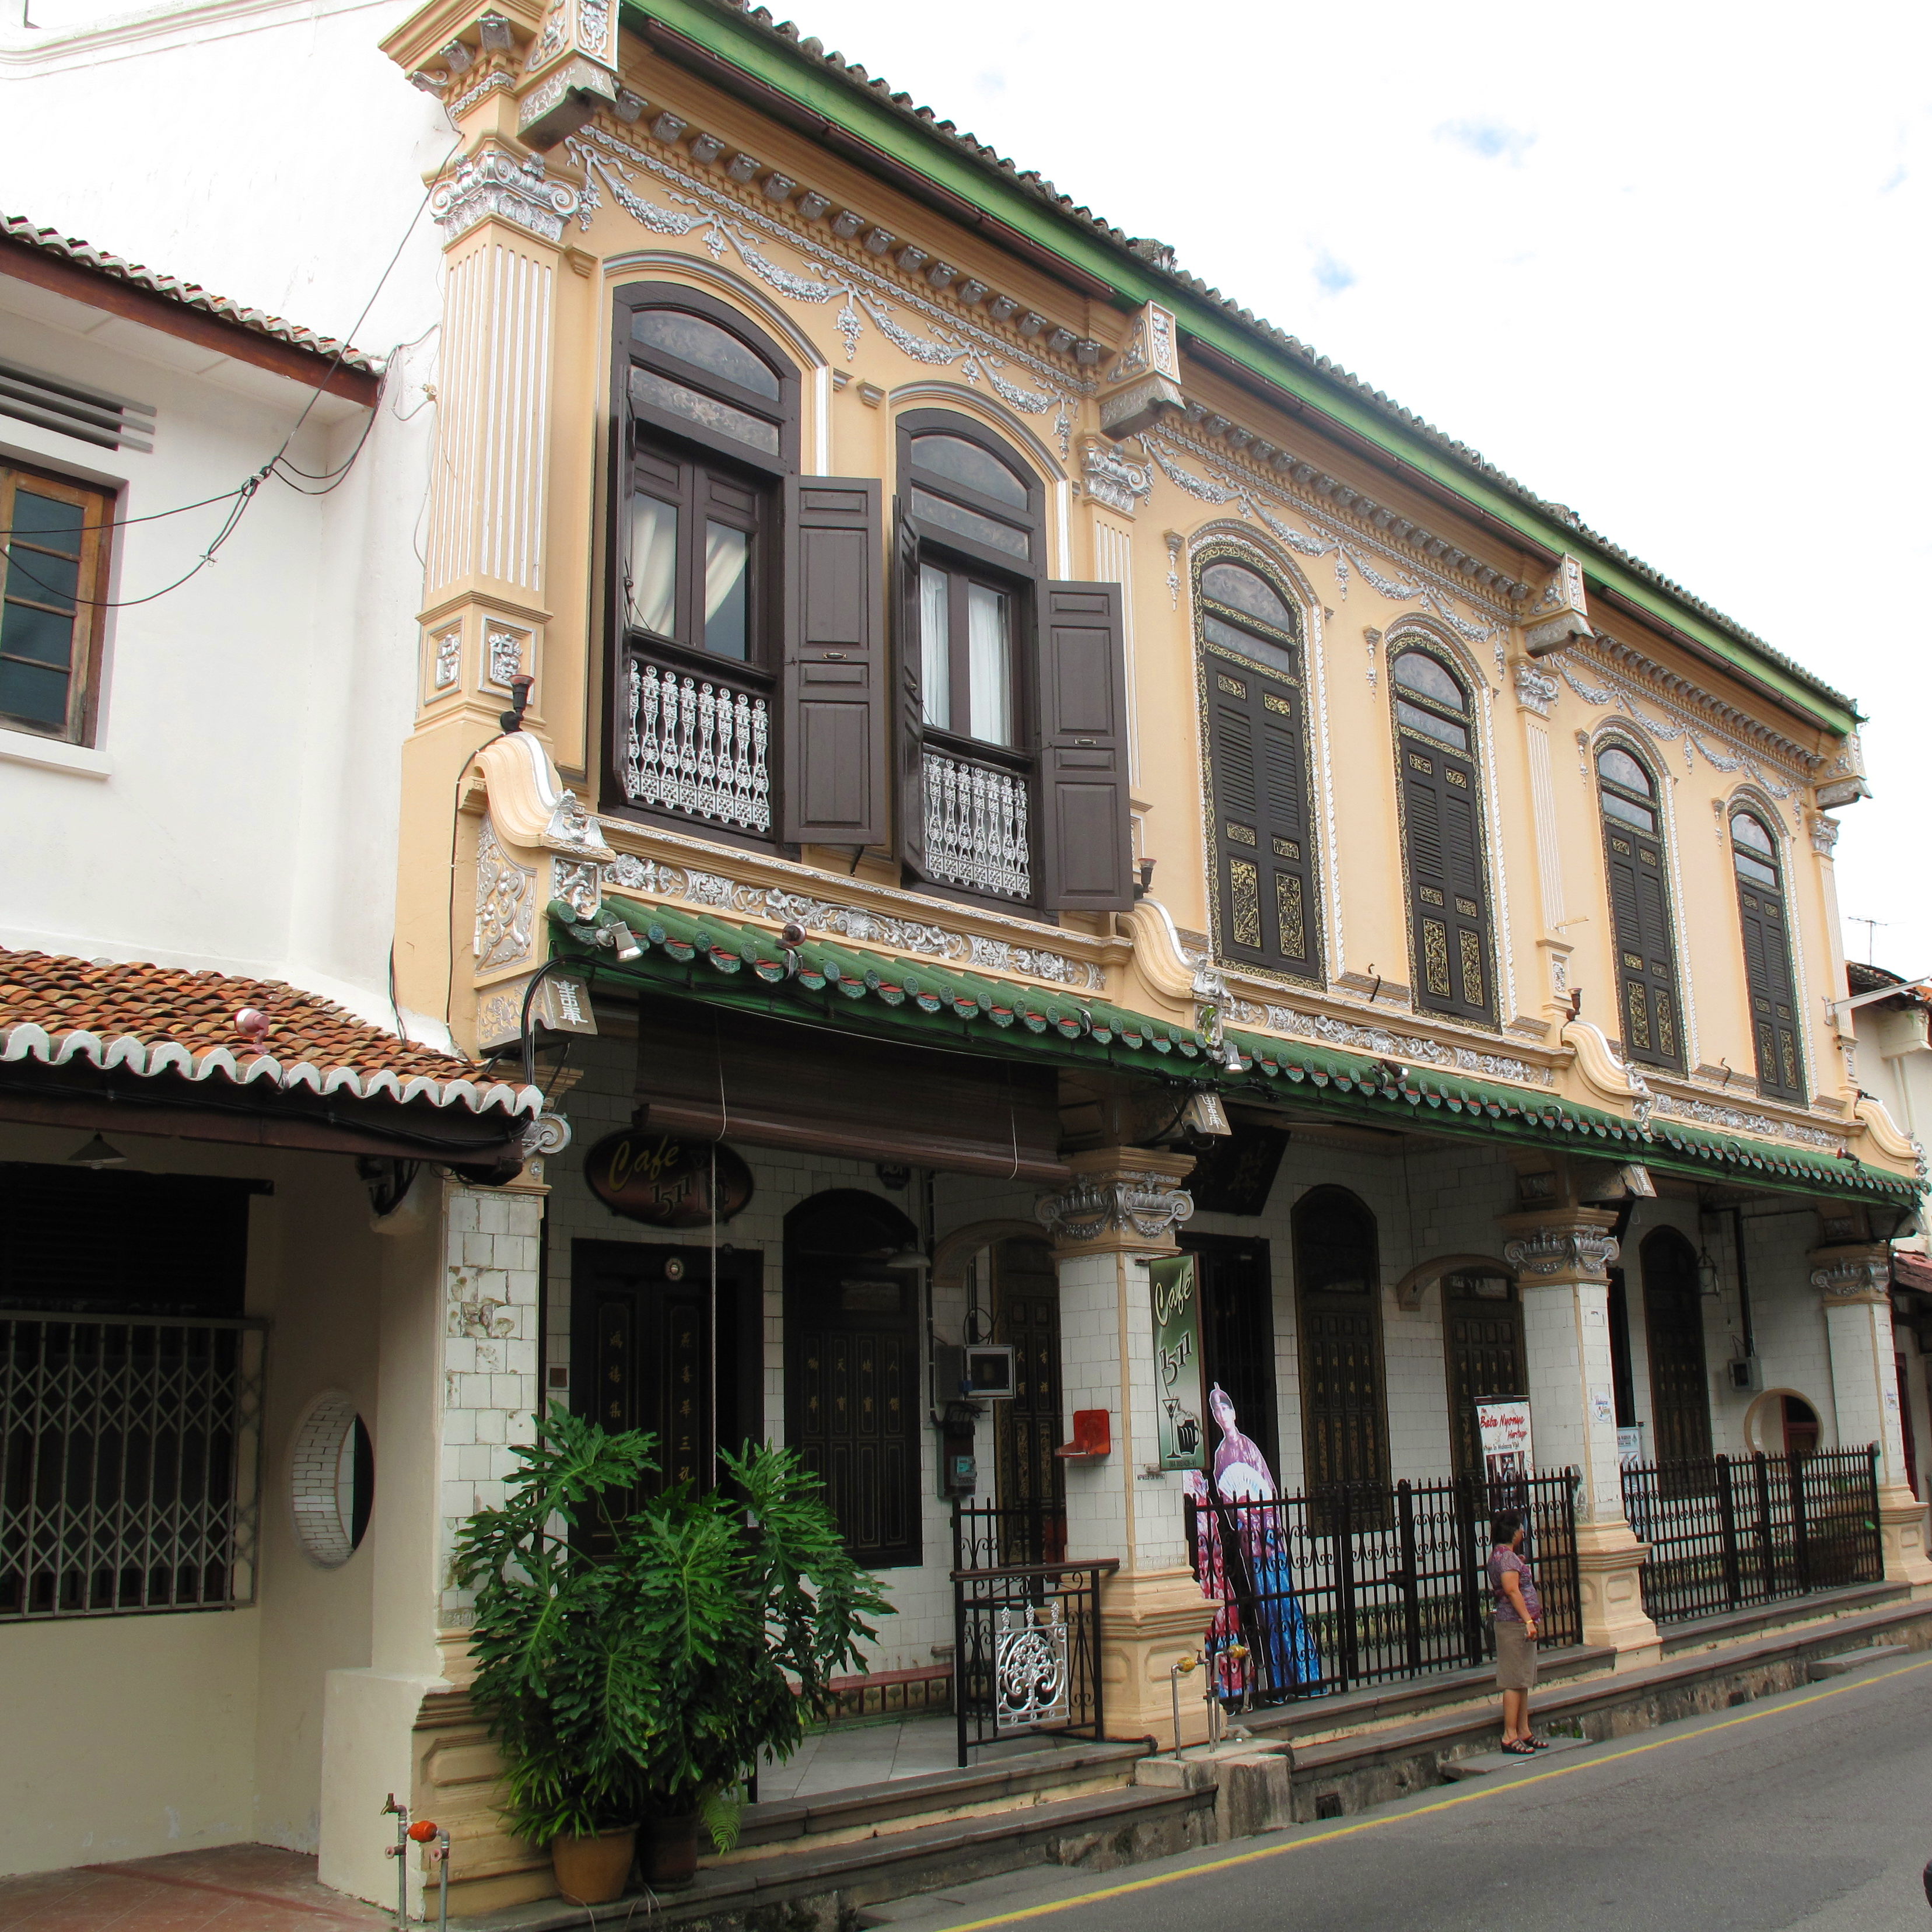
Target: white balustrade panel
698	749
976	830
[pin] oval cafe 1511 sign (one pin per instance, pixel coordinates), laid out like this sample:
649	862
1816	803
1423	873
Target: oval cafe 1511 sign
666	1182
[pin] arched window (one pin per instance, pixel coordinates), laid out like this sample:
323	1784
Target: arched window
1013	758
1338	1292
1673	1318
709	410
1255	714
852	1367
1768	975
1646	961
1482	1341
1448	884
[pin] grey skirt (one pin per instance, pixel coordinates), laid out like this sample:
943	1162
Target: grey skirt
1516	1656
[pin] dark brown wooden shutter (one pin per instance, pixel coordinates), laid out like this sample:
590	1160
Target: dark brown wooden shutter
1646	964
1773	1001
1085	841
833	755
1448	889
909	725
1257	782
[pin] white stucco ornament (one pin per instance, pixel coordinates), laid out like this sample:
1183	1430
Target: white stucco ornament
495	182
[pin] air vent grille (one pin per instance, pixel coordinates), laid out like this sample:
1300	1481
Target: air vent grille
58	402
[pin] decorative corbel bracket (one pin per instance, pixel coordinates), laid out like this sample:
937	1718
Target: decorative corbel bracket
1559	617
1143	385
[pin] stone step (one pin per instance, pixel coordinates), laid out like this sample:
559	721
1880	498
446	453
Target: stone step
906	1804
828	1885
1823	1667
1486	1763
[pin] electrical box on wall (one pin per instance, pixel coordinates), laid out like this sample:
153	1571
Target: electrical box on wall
980	1372
1747	1373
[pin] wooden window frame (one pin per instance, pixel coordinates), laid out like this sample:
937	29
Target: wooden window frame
98	504
965	562
637	431
1796	1088
1271	960
1651	1033
1481	925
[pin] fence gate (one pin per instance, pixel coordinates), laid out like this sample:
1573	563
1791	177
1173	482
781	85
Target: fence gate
1026	1632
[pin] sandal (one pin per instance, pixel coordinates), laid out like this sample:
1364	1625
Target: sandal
1520	1747
1537	1744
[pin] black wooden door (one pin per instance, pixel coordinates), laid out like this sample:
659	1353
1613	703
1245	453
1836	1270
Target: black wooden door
1028	1476
1238	1336
1338	1291
642	1356
1673	1309
852	1368
1482	1334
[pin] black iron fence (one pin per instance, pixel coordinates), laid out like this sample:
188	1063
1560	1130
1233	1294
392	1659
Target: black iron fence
1724	1533
1364	1583
1027	1633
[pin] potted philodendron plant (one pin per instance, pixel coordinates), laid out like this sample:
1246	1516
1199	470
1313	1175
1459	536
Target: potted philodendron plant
636	1660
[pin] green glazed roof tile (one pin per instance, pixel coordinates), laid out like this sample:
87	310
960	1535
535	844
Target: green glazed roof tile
705	956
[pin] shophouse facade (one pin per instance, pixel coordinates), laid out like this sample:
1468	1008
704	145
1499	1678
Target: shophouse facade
1003	714
1024	771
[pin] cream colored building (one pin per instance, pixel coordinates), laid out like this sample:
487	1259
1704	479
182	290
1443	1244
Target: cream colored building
1027	770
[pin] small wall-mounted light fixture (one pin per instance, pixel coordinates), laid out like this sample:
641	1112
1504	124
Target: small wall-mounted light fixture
1146	884
621	939
96	1154
1707	1275
512	720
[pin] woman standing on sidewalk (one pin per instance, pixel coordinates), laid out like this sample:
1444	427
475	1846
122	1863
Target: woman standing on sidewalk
1519	1611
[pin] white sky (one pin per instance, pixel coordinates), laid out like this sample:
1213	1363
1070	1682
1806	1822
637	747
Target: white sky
1667	264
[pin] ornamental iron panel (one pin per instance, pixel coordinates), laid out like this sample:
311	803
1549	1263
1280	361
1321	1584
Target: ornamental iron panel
697	747
978	826
130	1453
1027	1634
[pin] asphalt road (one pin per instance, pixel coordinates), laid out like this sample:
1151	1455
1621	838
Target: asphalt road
1813	1810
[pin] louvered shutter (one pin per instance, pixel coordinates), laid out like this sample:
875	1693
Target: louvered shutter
833	759
1646	965
1448	894
1085	840
1258	784
909	726
1773	1001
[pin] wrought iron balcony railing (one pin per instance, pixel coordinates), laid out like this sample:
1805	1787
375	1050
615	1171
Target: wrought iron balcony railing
979	825
698	745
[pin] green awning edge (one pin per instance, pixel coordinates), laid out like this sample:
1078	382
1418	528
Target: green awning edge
722	961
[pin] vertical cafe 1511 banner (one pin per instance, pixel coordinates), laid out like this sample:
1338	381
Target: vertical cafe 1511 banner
1179	1389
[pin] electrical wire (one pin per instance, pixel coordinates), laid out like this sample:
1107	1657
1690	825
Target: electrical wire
278	466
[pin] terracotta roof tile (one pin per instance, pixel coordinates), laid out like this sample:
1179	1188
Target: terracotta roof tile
189	295
156	1019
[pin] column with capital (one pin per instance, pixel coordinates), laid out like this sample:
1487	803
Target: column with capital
1119	1213
1562	1254
1854	1282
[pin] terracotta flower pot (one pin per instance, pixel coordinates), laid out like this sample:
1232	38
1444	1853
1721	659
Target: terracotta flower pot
671	1850
593	1871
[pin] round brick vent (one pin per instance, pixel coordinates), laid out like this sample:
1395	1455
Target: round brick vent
332	1483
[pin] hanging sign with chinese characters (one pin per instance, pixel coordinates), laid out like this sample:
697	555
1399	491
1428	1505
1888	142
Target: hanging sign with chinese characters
1179	1392
667	1182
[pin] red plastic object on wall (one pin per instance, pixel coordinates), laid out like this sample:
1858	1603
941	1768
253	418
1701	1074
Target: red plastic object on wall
1092	1435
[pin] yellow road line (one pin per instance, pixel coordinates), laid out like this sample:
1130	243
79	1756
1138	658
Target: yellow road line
1421	1811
